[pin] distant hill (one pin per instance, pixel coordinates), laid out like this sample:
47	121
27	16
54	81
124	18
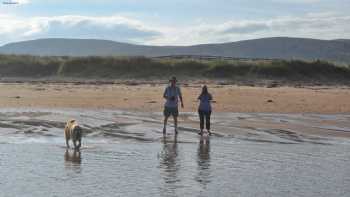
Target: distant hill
270	48
343	40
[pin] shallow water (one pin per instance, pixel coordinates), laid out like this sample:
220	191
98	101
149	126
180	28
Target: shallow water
125	154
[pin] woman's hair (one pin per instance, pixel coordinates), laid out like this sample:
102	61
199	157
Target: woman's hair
204	90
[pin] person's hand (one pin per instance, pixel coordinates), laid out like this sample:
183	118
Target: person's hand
182	105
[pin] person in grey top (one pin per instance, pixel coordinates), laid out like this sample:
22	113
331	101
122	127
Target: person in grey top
204	109
172	94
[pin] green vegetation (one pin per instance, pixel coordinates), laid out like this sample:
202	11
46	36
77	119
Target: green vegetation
146	68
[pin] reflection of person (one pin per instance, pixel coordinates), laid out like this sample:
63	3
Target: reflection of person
203	161
169	166
169	153
204	109
204	148
172	94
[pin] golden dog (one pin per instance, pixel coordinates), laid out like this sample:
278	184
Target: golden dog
73	131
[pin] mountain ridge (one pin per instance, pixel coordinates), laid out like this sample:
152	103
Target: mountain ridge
337	50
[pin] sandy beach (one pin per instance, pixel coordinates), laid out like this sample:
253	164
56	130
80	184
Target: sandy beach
148	97
257	132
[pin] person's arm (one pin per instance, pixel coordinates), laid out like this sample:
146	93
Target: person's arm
165	94
210	97
180	96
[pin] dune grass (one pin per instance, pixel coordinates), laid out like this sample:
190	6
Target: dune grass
146	68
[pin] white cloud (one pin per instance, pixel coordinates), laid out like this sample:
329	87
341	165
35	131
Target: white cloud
319	26
125	29
22	1
112	27
74	26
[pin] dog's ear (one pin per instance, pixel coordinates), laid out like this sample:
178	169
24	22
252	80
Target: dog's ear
71	121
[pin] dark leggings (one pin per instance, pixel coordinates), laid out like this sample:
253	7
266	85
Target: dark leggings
204	115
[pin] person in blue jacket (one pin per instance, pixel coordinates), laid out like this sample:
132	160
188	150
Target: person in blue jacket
172	94
204	109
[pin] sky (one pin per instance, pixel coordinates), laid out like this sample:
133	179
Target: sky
173	22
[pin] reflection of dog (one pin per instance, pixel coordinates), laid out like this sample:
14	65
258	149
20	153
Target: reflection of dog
73	131
74	158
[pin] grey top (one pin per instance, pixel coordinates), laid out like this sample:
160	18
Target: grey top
172	95
205	100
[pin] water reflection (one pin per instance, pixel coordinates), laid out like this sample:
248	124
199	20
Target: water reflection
72	160
74	157
203	161
169	165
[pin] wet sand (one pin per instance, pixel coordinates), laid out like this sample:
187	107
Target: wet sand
147	126
148	97
125	154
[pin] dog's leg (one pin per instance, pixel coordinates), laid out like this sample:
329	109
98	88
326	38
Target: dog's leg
75	144
79	144
67	142
66	135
